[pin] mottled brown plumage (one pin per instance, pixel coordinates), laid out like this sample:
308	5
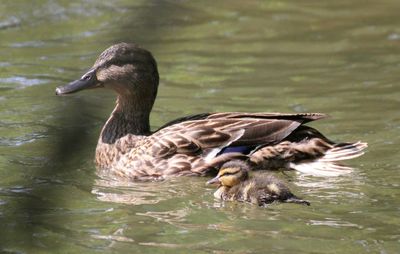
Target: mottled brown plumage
192	145
236	185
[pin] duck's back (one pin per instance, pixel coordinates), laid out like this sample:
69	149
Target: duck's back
268	188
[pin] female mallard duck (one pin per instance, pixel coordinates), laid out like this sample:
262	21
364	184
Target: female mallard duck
193	145
235	184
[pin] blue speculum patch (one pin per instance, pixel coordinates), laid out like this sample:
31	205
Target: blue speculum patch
237	149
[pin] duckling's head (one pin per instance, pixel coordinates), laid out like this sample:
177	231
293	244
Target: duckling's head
231	173
126	68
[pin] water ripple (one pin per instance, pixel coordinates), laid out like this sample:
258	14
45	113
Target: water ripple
136	193
117	236
4	64
10	22
33	44
14	190
19	141
22	82
393	37
333	223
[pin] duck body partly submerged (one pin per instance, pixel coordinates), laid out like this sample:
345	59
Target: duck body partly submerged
193	147
261	189
128	150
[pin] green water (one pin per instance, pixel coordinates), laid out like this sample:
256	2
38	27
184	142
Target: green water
336	57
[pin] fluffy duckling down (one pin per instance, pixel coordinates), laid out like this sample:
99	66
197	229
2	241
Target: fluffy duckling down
235	184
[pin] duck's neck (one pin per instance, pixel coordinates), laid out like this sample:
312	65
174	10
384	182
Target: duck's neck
128	117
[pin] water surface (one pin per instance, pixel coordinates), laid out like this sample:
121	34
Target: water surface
338	57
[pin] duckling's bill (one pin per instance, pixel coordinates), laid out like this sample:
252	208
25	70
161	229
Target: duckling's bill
215	180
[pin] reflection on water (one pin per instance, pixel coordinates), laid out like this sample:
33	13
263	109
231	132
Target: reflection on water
335	57
316	182
136	193
172	217
333	223
117	236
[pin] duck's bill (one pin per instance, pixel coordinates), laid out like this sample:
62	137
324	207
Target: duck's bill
87	81
215	180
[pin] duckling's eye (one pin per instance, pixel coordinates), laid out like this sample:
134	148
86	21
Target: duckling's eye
229	173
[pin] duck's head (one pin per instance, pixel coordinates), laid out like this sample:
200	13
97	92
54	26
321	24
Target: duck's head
231	173
125	68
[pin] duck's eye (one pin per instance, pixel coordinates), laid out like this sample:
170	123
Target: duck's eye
89	75
86	77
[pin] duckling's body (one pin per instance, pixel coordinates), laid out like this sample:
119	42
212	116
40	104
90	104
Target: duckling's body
128	150
260	189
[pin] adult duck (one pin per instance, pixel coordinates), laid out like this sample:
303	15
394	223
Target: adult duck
193	145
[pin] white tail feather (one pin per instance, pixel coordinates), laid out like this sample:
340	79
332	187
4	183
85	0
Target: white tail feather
345	152
318	168
326	165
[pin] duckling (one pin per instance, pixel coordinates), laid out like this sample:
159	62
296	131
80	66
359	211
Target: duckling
129	150
263	189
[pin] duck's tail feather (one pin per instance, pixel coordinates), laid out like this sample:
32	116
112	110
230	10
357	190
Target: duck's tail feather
345	151
318	168
328	165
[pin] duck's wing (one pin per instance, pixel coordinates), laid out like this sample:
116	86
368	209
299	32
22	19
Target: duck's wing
185	118
305	117
265	128
207	134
